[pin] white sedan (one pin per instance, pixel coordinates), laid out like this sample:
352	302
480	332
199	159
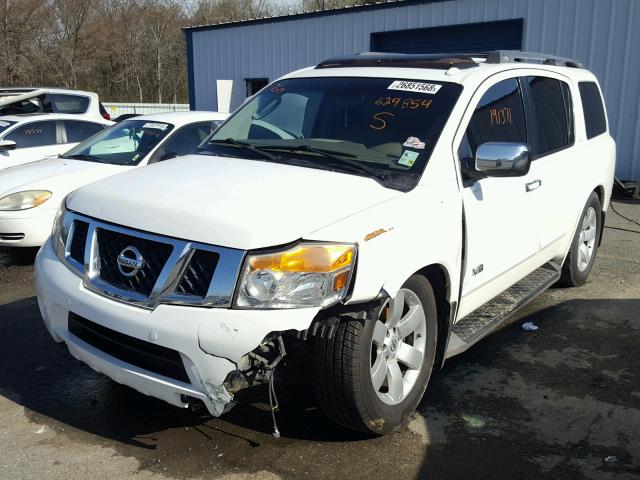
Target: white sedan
25	138
31	194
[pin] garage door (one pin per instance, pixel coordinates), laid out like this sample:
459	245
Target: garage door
470	37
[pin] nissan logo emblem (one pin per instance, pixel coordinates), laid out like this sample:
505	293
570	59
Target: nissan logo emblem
130	261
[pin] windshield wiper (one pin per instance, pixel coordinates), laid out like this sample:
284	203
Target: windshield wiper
248	146
82	156
338	157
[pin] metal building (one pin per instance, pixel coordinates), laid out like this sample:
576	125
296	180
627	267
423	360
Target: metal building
227	62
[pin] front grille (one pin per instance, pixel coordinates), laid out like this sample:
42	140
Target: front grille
155	255
199	273
79	240
183	272
148	356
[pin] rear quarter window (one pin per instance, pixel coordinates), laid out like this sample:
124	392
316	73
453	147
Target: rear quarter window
61	103
594	117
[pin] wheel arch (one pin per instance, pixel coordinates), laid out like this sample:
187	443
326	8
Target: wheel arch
440	281
600	191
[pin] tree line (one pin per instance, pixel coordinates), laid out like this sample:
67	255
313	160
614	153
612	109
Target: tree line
125	50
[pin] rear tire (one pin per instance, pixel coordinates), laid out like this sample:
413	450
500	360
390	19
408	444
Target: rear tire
582	254
370	376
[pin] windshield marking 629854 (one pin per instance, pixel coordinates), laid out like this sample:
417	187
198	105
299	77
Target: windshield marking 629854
356	125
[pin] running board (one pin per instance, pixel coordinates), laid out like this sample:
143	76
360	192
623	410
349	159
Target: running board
490	316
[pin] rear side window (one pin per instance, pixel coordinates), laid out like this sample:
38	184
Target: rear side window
78	131
61	103
35	134
499	117
593	108
553	114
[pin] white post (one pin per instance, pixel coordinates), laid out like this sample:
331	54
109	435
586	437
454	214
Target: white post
223	89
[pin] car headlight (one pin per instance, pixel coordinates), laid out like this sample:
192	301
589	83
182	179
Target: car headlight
306	275
60	231
24	200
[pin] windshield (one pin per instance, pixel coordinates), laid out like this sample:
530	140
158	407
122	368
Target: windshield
125	143
388	127
4	125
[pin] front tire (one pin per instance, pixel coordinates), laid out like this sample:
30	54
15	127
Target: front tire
582	254
371	374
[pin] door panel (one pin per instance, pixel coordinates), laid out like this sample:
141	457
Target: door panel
500	213
554	161
26	155
34	141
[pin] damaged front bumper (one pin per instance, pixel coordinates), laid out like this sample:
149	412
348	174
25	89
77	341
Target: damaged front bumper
212	344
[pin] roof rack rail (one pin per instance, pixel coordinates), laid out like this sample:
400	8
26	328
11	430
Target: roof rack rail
401	60
444	60
506	56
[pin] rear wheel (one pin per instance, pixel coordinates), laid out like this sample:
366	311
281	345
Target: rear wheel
371	374
582	254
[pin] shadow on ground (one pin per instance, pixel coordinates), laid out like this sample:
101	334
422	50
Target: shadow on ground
12	257
547	404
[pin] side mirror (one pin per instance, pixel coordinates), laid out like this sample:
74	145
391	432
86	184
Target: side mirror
7	145
503	159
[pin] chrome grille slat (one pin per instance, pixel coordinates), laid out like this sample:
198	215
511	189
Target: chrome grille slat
167	270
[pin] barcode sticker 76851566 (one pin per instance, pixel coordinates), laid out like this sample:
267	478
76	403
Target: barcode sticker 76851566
419	87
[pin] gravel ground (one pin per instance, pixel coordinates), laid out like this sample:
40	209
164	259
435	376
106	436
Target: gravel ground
559	402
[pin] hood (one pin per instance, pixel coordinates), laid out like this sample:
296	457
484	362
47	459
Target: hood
230	202
58	175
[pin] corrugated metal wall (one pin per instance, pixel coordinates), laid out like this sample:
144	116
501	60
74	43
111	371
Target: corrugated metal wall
603	34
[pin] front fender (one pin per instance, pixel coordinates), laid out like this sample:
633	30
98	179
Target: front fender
400	237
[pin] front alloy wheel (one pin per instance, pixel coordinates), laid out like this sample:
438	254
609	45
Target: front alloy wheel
371	373
398	347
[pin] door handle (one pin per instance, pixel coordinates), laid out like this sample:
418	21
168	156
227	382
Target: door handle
533	185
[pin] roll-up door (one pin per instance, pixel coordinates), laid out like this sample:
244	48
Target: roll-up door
470	37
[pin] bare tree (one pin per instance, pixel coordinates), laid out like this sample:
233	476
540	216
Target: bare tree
126	50
71	18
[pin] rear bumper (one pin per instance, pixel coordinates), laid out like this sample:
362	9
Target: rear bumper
210	341
26	231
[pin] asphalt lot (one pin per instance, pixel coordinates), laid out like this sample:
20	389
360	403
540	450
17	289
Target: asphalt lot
560	402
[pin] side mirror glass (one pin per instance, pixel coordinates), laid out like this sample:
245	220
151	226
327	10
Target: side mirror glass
7	145
503	159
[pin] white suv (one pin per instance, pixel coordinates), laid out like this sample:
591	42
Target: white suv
376	214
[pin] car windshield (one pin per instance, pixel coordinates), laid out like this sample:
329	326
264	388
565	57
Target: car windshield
5	124
125	143
384	128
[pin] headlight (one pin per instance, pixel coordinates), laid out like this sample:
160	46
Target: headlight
60	231
307	275
24	200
